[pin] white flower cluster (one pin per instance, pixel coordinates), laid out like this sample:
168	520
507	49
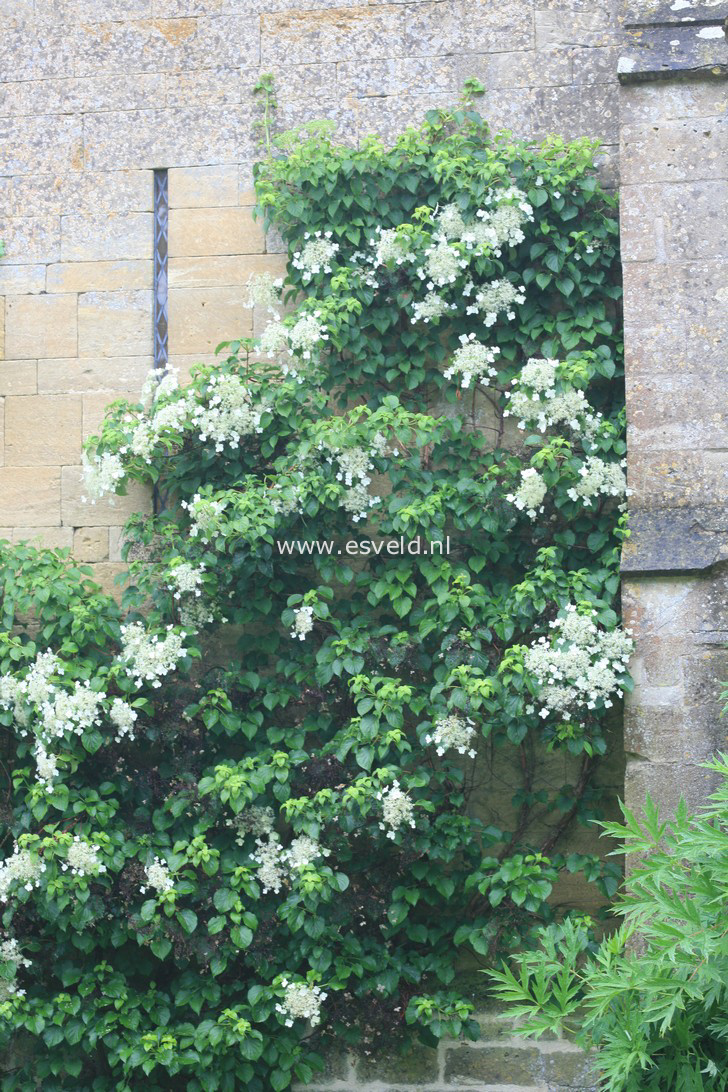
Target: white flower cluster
353	466
390	247
83	859
148	656
397	809
186	579
70	712
21	867
431	308
264	291
101	475
34	689
301	1002
303	338
204	515
598	477
256	820
194	614
492	298
158	877
443	264
452	732
317	255
500	223
278	865
450	222
539	374
229	415
536	403
10	954
473	361
159	382
46	766
580	666
302	622
530	493
123	717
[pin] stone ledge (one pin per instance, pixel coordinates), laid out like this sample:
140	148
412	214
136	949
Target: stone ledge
664	540
673	39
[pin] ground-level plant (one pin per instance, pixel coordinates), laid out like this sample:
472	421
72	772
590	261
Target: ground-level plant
652	999
244	813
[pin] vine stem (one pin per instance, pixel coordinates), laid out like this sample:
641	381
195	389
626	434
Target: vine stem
587	766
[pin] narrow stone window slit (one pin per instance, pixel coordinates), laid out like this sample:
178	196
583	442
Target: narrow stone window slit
161	247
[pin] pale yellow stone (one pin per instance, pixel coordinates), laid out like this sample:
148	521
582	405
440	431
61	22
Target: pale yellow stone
100	276
201	318
203	187
224	270
90	543
22	280
120	375
2	328
30	496
106	237
114	324
94	406
18	377
106	511
52	538
105	574
195	232
116	543
2	431
41	326
42	430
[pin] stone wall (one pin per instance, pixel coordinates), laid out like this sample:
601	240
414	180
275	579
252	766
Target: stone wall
98	93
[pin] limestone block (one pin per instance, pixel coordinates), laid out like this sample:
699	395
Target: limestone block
176	135
51	538
117	375
2	328
18	377
648	103
116	543
675	151
90	11
89	238
298	81
45	196
684	411
51	142
30	496
212	85
115	324
30	52
568	1069
42	430
31	240
100	276
555	28
696	225
591	64
389	115
22	280
94	409
223	270
40	326
570	113
200	318
523	68
637	217
304	37
203	187
105	574
194	232
16	11
491	1065
90	543
667	782
85	95
111	510
343	113
420	1066
434	28
394	76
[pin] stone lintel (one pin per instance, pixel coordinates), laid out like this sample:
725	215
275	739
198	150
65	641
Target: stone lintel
675	540
674	39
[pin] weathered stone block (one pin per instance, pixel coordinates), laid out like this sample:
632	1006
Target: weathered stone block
394	76
22	280
568	1070
50	538
200	318
389	115
342	113
91	543
107	511
90	11
523	68
563	26
203	187
42	430
85	95
196	232
658	103
90	238
40	326
675	151
211	86
30	240
105	574
30	496
420	1066
221	271
304	37
42	143
82	192
32	53
94	408
466	1065
18	377
115	324
572	114
100	276
122	375
667	782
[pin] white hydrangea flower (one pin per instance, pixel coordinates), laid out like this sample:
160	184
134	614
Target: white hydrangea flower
539	374
306	335
530	493
254	820
303	851
580	665
443	264
431	308
301	1002
46	767
101	475
390	247
302	622
490	299
71	712
598	477
274	339
11	955
21	867
264	291
454	732
229	415
316	256
450	222
186	579
204	515
397	809
539	405
158	877
83	859
472	362
124	718
148	657
271	865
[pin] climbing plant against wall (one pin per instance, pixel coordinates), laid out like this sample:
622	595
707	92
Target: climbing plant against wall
243	814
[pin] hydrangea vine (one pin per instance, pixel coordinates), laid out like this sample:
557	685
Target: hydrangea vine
250	810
